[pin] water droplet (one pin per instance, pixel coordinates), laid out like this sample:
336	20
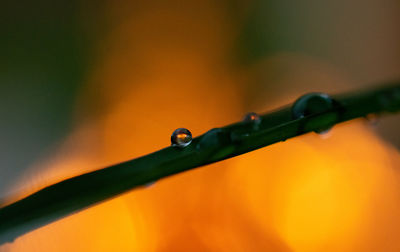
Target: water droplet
313	104
181	137
252	117
309	104
214	139
215	144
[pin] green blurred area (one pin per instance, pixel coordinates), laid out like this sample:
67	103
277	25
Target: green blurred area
42	64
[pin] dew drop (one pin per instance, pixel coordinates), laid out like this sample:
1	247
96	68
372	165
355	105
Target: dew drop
252	117
214	139
181	137
310	104
313	104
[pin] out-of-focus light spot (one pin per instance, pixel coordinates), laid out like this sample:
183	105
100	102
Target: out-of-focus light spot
109	226
320	194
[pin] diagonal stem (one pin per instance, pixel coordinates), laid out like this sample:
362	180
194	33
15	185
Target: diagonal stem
312	112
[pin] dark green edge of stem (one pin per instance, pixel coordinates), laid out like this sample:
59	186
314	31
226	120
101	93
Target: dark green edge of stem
80	192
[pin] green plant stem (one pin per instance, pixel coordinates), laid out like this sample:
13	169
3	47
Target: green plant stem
82	191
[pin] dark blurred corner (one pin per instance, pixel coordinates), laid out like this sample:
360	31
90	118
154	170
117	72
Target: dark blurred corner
43	57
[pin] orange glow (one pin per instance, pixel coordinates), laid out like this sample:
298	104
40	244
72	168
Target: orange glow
310	193
321	194
106	227
335	193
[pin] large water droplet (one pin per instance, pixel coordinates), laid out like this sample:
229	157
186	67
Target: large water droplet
181	137
313	104
214	139
309	104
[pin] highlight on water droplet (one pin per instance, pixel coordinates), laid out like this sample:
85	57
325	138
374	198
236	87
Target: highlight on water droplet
252	117
181	137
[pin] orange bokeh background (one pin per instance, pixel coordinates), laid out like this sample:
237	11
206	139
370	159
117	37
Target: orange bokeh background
334	192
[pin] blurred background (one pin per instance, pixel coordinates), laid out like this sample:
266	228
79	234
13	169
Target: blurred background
84	84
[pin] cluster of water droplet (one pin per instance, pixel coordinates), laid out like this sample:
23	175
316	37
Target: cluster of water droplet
309	104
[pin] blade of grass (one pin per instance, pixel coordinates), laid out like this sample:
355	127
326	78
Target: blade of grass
77	193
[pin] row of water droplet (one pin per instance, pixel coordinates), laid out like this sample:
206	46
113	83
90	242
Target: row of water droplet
306	105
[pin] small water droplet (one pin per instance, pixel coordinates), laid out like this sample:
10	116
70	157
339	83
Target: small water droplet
181	137
252	117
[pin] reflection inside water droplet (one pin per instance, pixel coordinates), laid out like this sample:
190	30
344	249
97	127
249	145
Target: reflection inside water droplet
181	137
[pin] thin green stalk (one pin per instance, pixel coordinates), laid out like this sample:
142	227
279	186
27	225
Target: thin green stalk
312	112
